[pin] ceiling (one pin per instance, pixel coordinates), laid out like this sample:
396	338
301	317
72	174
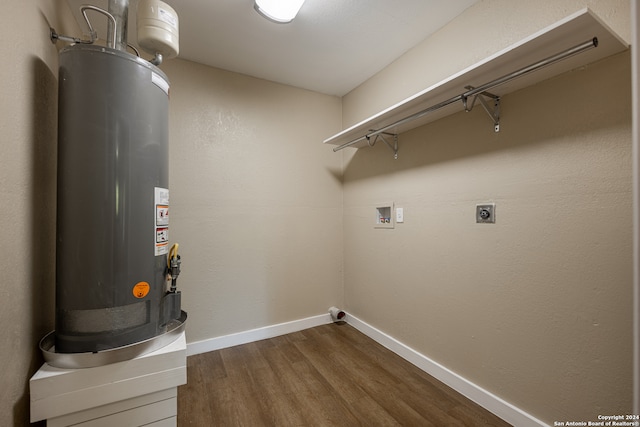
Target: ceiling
331	47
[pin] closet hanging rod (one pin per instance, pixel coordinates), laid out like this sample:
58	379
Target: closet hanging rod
477	90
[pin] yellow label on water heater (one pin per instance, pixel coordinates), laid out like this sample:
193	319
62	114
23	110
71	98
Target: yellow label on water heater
141	289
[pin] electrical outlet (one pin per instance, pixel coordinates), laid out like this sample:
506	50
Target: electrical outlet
486	213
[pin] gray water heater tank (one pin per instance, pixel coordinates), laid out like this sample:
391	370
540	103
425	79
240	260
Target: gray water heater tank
113	199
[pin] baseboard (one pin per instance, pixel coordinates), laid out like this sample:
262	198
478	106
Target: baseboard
482	397
256	334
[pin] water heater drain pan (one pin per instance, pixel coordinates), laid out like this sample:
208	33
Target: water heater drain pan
114	355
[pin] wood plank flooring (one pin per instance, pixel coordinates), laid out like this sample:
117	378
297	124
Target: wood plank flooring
331	375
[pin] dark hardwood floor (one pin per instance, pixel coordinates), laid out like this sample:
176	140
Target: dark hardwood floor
331	375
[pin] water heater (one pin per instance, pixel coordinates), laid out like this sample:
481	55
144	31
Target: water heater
113	199
115	270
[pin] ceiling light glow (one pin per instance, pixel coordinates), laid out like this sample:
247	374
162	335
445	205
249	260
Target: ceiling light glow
280	11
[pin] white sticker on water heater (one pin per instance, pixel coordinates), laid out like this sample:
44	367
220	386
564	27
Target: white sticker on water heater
161	225
157	80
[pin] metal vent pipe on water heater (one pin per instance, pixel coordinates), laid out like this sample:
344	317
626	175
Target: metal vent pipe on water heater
119	9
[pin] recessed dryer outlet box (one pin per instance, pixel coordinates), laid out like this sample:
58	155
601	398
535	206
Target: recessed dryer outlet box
486	213
384	216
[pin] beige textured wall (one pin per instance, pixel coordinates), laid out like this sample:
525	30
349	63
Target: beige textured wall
536	308
27	190
256	200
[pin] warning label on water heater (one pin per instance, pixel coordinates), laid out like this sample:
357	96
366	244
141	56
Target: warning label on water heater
161	215
141	289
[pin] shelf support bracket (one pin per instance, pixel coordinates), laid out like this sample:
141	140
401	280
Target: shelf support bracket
381	135
492	110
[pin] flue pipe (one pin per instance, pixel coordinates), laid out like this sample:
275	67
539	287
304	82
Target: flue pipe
120	11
